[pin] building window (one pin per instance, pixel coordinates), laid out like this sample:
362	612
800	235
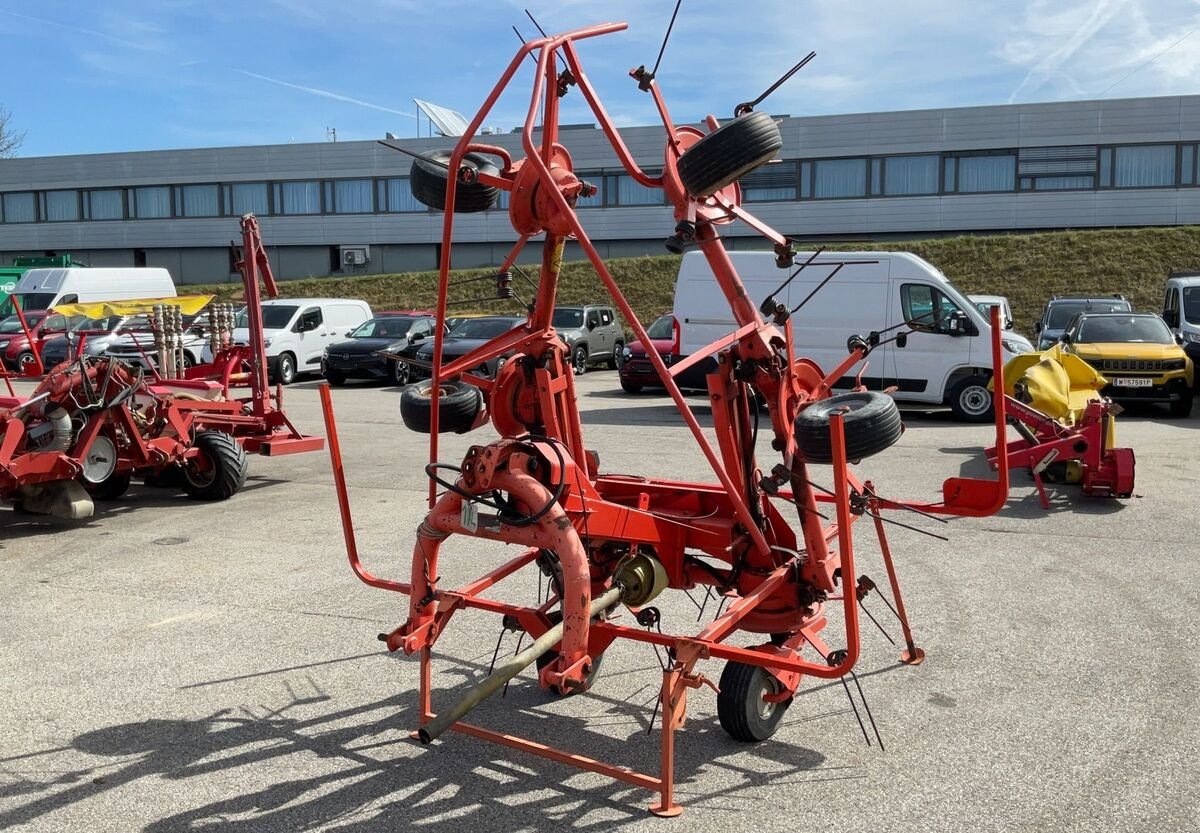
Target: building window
298	197
352	196
1059	183
150	203
246	198
62	206
806	180
104	205
775	182
981	174
1105	167
834	178
908	175
949	166
197	201
20	208
623	189
396	196
1187	165
1146	166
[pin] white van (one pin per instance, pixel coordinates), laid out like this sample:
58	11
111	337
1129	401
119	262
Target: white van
1181	311
297	331
875	291
45	288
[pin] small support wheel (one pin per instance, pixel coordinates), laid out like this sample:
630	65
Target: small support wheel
219	471
729	153
429	180
870	423
743	712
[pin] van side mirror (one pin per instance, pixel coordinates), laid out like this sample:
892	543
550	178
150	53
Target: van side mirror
1065	338
1037	326
956	323
1009	324
1178	338
415	337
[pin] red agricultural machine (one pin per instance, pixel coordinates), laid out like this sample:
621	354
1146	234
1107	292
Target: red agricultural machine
93	424
773	543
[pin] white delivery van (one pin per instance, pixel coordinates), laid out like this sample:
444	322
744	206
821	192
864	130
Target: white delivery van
297	331
1181	311
875	291
45	288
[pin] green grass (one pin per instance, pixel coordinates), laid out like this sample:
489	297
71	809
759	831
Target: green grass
1028	268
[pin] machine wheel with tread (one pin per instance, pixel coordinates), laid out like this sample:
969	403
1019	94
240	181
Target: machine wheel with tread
870	421
110	488
428	181
220	469
729	153
458	406
743	712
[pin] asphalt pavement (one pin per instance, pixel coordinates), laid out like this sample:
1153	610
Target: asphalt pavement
178	666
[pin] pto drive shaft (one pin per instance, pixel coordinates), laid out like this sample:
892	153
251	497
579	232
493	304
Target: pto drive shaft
510	669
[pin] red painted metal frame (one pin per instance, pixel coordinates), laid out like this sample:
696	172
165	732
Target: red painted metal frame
733	522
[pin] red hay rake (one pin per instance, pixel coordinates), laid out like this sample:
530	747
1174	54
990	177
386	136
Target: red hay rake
611	539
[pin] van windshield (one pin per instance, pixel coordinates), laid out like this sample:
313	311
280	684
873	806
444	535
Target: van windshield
1191	304
35	300
275	317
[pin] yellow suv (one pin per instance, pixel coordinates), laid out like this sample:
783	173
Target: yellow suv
1137	354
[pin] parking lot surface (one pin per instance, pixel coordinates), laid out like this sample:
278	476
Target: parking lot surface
179	666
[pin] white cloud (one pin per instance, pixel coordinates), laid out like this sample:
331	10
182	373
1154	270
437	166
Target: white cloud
324	93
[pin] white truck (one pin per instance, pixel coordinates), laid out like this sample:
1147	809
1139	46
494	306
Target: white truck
46	288
875	292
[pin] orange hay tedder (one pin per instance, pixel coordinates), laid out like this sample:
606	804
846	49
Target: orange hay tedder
778	547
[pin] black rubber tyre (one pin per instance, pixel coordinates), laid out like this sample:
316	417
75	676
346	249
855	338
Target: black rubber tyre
729	153
618	356
740	706
579	359
630	387
188	359
334	378
25	358
550	656
1181	408
971	401
225	469
458	406
428	183
402	373
870	421
111	489
285	369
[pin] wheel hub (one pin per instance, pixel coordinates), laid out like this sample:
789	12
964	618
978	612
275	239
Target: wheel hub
100	461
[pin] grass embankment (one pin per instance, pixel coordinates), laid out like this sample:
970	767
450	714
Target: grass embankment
1028	268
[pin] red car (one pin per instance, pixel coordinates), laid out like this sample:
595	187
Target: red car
15	348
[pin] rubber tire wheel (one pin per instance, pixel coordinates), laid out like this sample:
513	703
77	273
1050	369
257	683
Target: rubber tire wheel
458	406
965	414
428	183
617	359
229	467
729	153
111	489
555	616
285	369
740	707
630	387
871	425
334	378
188	360
1182	407
579	360
25	357
402	373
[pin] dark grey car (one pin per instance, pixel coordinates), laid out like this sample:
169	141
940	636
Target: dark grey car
592	336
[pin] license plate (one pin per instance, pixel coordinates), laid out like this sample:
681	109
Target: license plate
1133	382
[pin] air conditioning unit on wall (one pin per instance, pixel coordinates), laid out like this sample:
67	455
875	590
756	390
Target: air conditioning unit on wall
355	255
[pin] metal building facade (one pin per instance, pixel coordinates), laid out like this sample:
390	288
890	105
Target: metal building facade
834	179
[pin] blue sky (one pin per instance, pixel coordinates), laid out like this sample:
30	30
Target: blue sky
132	75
